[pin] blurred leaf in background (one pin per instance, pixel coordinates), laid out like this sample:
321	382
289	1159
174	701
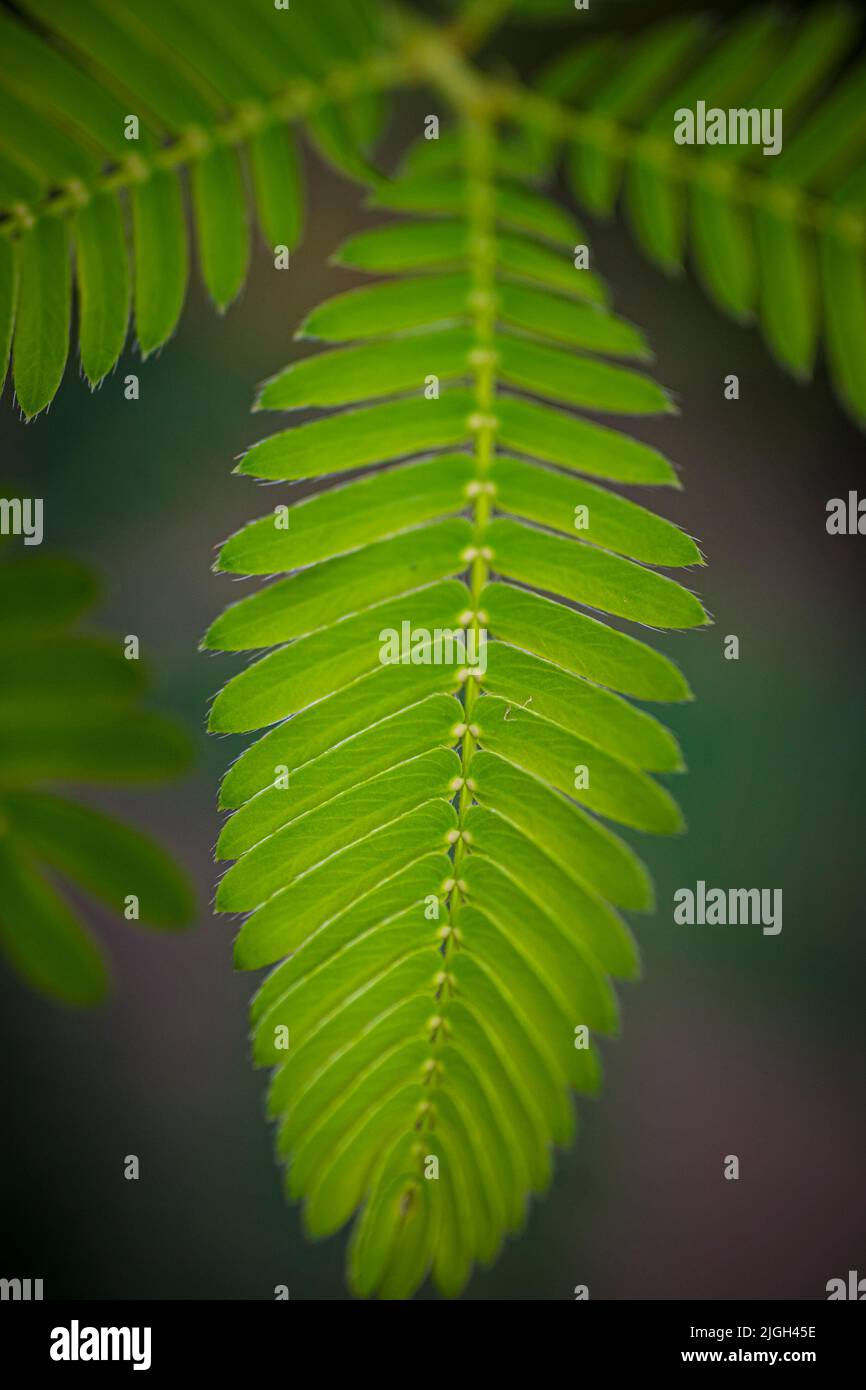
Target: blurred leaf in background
71	712
103	109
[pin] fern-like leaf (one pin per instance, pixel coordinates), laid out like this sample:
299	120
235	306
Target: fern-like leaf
70	712
216	88
781	239
414	849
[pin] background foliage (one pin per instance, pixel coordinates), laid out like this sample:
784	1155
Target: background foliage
757	512
71	712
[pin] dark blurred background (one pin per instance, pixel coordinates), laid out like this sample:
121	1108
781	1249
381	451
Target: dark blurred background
733	1042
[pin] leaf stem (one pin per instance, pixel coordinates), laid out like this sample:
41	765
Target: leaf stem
444	65
480	19
511	100
478	135
298	99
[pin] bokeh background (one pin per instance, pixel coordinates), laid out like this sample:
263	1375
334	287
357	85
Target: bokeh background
733	1042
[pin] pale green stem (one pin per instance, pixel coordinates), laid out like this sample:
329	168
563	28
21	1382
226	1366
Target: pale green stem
298	100
513	101
478	21
479	139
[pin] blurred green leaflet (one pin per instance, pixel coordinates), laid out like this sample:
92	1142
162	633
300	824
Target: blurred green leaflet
103	108
70	712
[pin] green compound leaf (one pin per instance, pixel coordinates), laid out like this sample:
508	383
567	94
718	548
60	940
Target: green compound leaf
779	239
419	839
109	109
70	711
